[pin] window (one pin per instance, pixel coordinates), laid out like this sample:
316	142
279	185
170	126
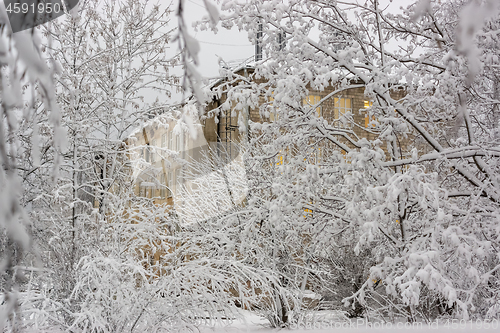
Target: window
178	139
280	159
146	190
318	155
146	154
313	100
346	157
282	156
177	177
273	113
315	156
308	212
153	151
162	188
170	140
368	104
170	184
164	140
342	106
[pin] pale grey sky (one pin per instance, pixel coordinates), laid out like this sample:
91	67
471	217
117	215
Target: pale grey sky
228	44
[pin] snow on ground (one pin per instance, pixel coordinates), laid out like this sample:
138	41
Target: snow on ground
332	322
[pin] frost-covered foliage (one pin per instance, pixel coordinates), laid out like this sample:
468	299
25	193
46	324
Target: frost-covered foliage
94	259
189	49
416	196
24	78
402	220
271	276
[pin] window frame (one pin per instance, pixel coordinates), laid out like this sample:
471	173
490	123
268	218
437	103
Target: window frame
312	100
170	183
153	151
178	141
337	110
164	139
170	140
163	186
366	105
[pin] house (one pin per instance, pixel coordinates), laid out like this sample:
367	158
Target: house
167	148
164	149
347	110
174	164
152	151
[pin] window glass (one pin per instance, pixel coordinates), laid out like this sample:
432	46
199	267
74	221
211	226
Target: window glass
178	140
153	151
341	107
162	186
170	184
170	140
273	114
164	140
368	104
313	100
177	177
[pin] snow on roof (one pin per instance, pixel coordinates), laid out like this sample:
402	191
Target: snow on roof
233	66
160	120
250	64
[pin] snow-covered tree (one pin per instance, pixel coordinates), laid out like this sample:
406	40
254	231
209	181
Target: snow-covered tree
111	64
25	77
418	193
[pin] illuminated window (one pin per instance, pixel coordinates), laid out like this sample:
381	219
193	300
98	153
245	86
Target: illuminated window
346	158
318	156
273	114
308	212
368	104
341	107
313	100
315	157
280	159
